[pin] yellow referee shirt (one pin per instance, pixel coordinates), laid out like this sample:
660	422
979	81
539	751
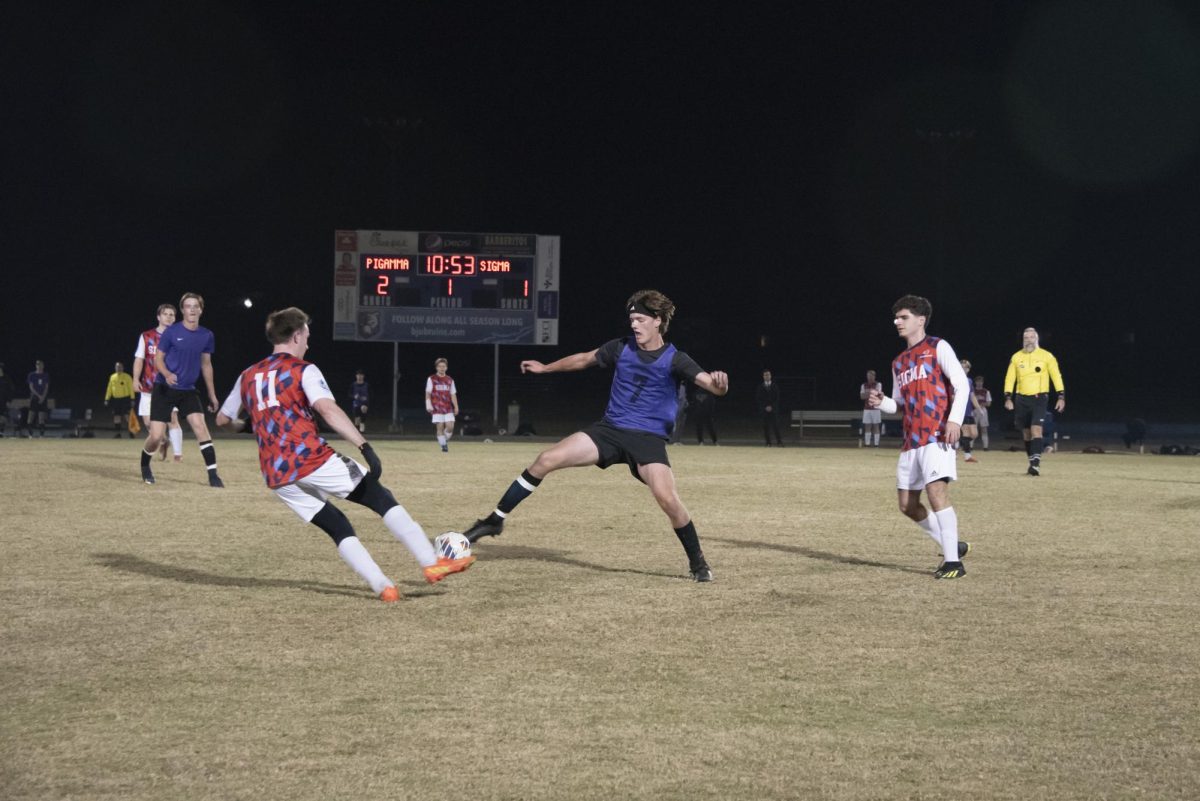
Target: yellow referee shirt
1031	373
120	385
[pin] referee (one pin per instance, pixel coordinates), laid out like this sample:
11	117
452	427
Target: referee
1030	372
119	397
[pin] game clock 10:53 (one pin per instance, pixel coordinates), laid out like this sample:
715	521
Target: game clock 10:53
466	264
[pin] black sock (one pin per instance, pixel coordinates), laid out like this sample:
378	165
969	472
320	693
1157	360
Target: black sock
966	445
1035	450
691	545
1028	447
145	458
518	491
210	456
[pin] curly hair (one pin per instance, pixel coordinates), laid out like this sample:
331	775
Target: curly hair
916	304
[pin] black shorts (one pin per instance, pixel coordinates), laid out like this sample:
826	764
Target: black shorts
1030	410
625	446
163	399
37	405
120	406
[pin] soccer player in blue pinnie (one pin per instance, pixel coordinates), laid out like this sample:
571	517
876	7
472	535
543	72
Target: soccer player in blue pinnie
636	425
184	354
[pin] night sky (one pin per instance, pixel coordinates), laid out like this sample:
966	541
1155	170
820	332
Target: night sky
783	173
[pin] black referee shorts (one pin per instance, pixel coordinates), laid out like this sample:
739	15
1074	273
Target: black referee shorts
1030	410
163	399
120	406
625	446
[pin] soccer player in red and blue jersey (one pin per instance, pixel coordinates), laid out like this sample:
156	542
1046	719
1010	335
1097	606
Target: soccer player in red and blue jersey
144	373
280	394
636	425
441	401
929	384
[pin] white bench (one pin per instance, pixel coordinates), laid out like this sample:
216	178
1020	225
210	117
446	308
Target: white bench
841	419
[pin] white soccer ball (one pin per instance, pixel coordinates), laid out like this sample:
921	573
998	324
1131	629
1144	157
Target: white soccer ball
452	545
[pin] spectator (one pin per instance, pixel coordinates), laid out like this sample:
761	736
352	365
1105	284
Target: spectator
766	397
703	407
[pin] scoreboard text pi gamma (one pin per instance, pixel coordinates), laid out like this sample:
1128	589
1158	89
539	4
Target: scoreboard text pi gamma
427	286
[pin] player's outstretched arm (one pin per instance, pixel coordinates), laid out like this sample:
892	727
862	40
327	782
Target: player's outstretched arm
206	370
228	423
160	362
576	361
230	415
716	382
336	419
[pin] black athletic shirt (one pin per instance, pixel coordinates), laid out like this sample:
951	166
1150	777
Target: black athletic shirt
683	367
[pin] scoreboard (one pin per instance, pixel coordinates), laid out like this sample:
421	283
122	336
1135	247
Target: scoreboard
432	286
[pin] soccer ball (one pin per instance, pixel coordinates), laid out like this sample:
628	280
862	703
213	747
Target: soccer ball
452	545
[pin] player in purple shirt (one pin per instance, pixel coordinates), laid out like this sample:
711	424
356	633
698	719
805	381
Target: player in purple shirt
184	354
636	425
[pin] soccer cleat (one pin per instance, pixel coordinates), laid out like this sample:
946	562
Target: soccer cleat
483	528
702	573
445	449
970	458
950	570
147	476
1034	470
389	595
446	567
215	481
964	548
178	459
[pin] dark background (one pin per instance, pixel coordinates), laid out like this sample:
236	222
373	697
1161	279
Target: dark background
782	173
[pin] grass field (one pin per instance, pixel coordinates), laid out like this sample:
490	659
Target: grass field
179	642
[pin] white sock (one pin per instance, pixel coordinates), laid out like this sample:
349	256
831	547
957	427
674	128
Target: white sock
449	434
441	439
930	526
948	522
410	534
866	437
176	436
876	438
354	554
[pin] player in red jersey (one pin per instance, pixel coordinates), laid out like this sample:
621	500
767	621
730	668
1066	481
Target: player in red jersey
280	395
929	384
441	401
144	372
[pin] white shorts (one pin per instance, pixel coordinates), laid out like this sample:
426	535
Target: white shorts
872	417
337	478
144	404
448	417
920	467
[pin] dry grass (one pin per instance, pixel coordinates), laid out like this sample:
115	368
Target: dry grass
180	642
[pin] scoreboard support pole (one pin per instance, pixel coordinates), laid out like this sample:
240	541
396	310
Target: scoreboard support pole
496	386
395	387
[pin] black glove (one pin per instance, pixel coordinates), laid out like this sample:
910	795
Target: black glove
372	460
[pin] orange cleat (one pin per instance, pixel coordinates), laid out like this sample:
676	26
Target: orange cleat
389	595
444	567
